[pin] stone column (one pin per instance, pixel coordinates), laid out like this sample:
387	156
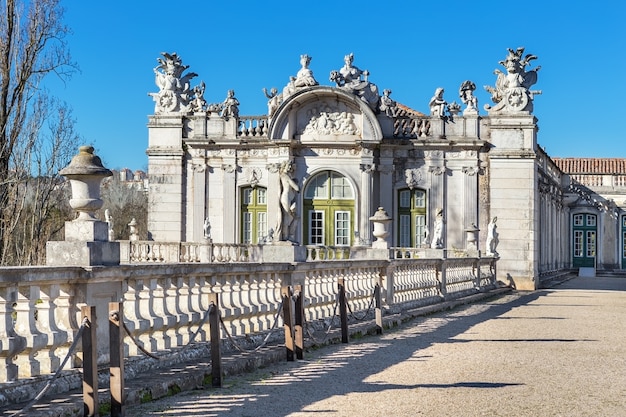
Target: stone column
366	203
229	224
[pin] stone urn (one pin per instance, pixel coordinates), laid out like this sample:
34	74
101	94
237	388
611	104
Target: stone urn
380	220
85	173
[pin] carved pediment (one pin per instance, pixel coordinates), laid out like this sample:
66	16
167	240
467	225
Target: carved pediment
325	115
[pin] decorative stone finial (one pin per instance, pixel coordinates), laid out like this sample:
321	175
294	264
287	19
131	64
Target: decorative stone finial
85	173
380	220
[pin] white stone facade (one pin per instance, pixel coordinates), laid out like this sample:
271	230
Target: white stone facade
436	176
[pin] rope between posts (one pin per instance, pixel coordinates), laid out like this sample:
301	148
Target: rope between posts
45	389
330	326
369	308
174	354
267	337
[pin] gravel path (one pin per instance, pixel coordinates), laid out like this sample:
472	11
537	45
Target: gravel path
555	352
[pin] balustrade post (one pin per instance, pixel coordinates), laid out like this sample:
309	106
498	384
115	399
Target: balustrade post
299	320
90	362
379	311
441	271
288	319
116	359
343	310
216	354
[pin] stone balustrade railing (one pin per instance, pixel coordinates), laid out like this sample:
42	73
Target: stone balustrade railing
163	303
253	126
147	251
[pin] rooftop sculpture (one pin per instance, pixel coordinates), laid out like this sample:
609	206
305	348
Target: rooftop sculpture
512	91
351	78
174	93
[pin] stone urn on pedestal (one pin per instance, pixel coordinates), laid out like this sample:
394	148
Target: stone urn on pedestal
86	238
381	220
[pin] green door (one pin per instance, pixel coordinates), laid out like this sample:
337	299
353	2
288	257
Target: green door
584	240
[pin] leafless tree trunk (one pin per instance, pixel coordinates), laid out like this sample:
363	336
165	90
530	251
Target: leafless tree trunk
36	132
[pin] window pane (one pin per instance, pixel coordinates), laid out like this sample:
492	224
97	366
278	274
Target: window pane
578	220
247	196
318	187
405	231
420	229
342	228
341	187
247	227
578	243
591	244
420	199
316	223
261	225
624	244
261	196
405	199
591	220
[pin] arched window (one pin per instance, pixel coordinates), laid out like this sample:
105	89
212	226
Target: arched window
253	214
584	232
328	210
411	217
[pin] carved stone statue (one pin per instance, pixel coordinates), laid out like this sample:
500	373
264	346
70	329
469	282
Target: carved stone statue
230	106
288	190
109	220
351	78
437	104
387	104
206	229
198	103
437	242
492	238
274	100
304	77
174	91
511	92
466	92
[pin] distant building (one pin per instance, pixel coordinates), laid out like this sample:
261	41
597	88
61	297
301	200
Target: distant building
320	163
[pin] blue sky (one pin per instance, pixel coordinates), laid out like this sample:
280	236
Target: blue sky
410	47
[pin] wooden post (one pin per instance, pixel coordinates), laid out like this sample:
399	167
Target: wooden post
343	310
299	321
116	359
378	309
90	365
216	354
288	317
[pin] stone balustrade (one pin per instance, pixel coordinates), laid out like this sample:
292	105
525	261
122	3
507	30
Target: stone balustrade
253	126
165	302
147	251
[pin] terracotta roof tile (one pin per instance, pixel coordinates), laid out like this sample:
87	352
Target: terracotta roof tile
407	111
607	166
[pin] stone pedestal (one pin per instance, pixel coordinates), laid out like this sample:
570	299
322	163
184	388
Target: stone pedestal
279	252
86	244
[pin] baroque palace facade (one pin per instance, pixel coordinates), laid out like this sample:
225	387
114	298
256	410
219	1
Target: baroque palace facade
325	158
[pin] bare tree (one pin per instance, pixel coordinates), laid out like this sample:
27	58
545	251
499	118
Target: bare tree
36	131
125	200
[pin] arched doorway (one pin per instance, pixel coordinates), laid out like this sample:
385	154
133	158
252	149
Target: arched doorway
328	210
